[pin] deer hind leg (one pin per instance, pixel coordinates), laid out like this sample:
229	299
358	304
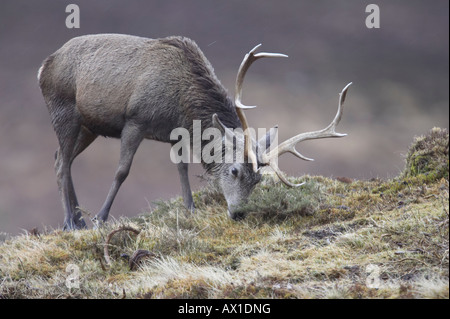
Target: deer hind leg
73	139
131	138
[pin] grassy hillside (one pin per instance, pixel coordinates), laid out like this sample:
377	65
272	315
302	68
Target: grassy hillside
331	238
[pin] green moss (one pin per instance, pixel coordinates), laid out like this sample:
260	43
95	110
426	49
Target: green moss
428	156
281	202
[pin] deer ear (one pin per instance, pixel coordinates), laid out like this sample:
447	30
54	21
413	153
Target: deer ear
265	142
226	132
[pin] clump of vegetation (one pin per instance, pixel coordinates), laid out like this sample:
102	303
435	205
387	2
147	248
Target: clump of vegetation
330	238
280	202
428	155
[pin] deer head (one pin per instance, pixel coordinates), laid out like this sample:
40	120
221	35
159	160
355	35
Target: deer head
237	180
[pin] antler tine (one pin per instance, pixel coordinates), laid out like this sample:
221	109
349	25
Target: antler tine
249	58
288	146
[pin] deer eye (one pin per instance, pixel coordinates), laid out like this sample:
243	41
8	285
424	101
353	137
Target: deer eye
234	171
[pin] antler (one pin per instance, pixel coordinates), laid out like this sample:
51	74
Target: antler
288	146
248	60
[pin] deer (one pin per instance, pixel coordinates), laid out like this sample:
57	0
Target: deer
135	88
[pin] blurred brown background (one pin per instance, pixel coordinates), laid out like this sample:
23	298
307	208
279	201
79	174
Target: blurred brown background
400	74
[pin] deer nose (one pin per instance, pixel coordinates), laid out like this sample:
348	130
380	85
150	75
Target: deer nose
236	216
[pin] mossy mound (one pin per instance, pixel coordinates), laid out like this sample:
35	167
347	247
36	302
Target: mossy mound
428	155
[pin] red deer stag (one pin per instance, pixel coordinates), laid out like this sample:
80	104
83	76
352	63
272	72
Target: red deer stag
136	88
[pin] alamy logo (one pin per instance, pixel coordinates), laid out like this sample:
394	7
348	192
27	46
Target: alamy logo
373	276
73	19
73	277
214	146
373	19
